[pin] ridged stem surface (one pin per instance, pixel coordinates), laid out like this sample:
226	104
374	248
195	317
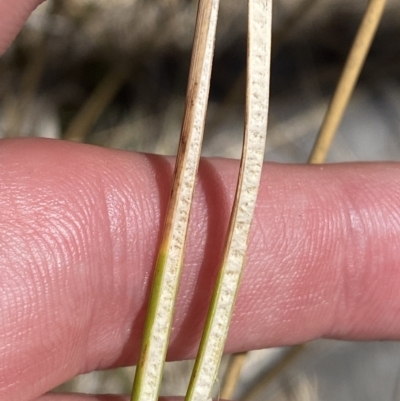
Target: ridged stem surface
170	257
257	102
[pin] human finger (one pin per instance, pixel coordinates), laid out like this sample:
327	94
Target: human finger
79	229
85	397
13	14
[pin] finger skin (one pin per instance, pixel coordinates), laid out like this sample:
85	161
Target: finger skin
79	229
13	14
81	397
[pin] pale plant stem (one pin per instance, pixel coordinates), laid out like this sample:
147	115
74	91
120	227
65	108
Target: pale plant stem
232	375
257	102
170	257
348	80
30	81
236	362
95	105
275	370
323	143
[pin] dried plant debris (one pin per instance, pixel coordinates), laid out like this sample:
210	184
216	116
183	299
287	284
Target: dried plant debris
86	40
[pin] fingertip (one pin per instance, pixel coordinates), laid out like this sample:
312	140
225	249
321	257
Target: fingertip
13	15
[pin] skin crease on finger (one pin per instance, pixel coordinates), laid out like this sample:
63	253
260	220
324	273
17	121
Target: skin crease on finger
79	228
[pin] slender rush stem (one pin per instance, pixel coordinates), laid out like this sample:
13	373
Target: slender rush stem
348	80
219	315
95	105
345	87
276	369
170	256
323	143
232	374
234	368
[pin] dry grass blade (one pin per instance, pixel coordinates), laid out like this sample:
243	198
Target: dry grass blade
348	80
232	375
29	82
95	105
170	256
236	363
323	143
272	373
218	319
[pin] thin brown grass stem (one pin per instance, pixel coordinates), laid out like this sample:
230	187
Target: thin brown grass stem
95	105
29	82
323	143
170	256
272	373
219	314
232	374
348	80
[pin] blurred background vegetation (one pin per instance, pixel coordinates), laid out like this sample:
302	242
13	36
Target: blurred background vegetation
114	73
